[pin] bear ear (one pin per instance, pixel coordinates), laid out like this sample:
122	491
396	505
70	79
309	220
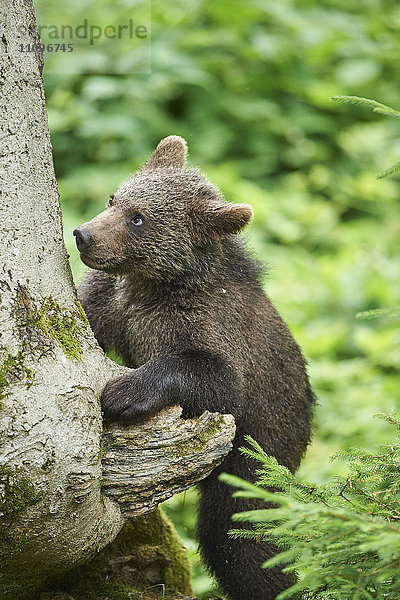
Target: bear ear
170	152
216	217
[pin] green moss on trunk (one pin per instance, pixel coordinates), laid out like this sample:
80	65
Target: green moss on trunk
197	444
147	560
17	493
38	326
61	325
50	321
14	369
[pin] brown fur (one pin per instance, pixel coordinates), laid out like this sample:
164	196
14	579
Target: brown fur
179	298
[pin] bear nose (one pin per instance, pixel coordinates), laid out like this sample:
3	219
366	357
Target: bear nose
84	238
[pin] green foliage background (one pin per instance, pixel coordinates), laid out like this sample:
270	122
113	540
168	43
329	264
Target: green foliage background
248	83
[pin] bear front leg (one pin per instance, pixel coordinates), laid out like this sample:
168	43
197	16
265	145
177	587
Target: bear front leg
195	379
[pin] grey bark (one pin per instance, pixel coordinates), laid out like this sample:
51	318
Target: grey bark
52	512
162	457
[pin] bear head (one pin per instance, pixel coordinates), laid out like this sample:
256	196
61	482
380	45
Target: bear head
160	219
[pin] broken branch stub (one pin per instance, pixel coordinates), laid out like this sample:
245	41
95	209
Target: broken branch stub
146	464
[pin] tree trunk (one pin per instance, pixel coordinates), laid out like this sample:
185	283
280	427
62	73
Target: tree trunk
146	561
53	515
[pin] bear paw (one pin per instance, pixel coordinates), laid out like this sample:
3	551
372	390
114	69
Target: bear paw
120	402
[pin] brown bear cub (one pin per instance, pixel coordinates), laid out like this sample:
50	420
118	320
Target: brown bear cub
176	294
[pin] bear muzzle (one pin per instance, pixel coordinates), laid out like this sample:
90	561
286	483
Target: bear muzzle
84	239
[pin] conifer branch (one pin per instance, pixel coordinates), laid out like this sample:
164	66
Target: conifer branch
379	108
343	545
388	313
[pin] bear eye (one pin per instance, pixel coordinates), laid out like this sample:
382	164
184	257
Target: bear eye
110	200
137	220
